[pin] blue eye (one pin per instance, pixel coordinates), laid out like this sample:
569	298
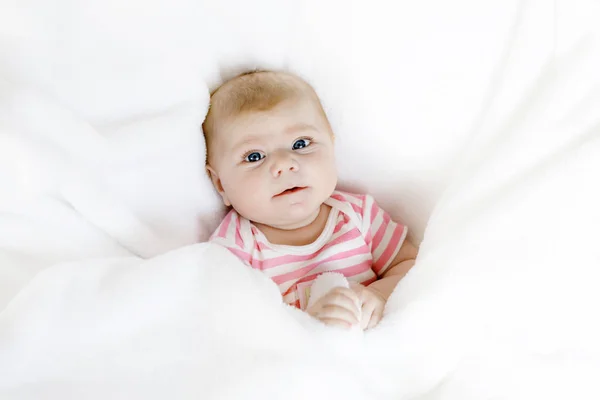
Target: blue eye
301	143
254	157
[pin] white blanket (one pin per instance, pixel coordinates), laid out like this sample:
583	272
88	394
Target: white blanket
478	125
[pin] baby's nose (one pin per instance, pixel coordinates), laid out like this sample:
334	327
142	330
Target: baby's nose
282	164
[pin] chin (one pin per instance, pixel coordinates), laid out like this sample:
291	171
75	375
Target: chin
294	217
305	216
295	212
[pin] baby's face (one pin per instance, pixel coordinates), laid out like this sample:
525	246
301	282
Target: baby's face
275	167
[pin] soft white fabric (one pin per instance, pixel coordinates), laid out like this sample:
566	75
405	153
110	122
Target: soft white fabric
324	283
481	118
182	325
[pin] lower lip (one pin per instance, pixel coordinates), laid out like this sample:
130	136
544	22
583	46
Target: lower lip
288	192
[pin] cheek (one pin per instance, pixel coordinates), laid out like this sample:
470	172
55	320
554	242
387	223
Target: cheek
322	164
243	186
250	195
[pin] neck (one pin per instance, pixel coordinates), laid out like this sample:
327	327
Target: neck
298	236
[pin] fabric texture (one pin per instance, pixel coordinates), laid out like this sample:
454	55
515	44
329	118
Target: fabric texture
359	241
474	123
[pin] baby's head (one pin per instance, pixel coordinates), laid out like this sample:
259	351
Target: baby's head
270	149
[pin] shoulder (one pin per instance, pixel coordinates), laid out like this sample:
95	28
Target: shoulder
363	205
354	200
230	230
361	208
235	235
357	208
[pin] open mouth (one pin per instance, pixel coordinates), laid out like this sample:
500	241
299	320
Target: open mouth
291	190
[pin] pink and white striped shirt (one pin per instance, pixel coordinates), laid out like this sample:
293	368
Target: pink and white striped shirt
359	240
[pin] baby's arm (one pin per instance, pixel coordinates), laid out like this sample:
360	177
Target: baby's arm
374	296
401	264
338	307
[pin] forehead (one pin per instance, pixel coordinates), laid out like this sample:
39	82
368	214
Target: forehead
289	117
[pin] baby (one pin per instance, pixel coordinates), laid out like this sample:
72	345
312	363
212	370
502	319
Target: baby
271	158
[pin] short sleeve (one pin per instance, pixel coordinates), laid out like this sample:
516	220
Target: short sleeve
383	236
228	234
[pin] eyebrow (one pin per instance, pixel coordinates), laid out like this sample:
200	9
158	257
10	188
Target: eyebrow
249	141
245	143
300	127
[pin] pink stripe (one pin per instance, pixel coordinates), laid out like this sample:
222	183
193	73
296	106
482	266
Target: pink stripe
261	246
363	203
238	236
288	259
339	226
374	211
256	264
357	201
368	237
299	273
380	232
338	197
369	281
389	251
290	290
225	225
350	197
347	272
241	254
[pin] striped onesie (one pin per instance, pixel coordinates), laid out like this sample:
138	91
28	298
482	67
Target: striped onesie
359	240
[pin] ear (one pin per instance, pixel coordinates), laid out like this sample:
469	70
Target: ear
214	177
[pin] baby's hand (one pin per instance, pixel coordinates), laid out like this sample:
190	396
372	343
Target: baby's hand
373	304
339	307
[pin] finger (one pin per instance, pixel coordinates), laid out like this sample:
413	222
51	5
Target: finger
341	299
347	292
363	293
367	312
375	317
337	312
357	288
335	322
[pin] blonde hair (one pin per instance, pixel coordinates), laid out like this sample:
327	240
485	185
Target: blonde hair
257	90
